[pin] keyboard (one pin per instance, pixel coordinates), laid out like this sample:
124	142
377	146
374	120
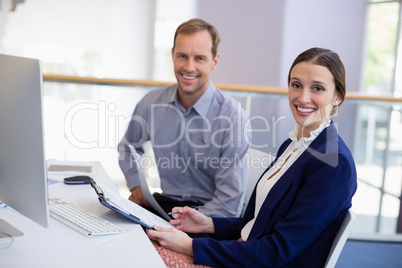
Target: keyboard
81	220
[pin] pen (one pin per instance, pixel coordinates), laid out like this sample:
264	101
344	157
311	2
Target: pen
175	212
3	205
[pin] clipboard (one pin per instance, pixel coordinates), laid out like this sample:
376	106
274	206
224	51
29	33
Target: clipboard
127	208
145	172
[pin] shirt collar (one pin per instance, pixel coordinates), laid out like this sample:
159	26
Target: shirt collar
173	98
202	105
204	102
313	134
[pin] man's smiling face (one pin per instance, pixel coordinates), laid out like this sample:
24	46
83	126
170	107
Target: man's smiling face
193	63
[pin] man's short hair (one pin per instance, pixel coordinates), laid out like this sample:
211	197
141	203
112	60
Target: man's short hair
196	25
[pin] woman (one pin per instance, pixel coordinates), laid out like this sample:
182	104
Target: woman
300	201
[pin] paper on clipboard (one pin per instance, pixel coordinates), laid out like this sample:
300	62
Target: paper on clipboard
127	208
147	168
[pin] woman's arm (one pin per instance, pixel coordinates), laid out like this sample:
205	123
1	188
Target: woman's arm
173	239
185	220
305	222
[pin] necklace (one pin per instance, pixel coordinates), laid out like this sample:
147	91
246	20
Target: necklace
279	169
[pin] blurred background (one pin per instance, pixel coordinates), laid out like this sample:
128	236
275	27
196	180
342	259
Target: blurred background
132	40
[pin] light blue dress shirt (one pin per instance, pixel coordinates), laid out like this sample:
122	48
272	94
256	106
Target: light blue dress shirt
200	152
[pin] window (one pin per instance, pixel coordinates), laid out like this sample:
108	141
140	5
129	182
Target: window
384	20
378	144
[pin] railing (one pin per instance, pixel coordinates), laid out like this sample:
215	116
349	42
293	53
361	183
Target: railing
243	88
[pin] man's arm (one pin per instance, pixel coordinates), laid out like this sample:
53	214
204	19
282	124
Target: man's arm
232	175
136	134
230	180
127	162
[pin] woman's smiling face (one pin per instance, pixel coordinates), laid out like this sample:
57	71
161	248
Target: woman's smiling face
312	96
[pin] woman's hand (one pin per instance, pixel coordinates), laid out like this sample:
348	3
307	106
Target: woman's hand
191	221
173	239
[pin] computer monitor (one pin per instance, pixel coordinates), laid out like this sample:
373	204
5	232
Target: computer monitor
23	180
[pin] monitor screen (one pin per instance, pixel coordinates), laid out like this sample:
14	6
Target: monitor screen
23	183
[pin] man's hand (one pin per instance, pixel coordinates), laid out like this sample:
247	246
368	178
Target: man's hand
138	197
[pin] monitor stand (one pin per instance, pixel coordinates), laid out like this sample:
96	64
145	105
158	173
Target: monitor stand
8	231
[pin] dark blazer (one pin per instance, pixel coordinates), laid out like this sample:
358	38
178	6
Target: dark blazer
299	217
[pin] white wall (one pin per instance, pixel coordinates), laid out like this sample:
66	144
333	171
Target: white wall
251	33
105	38
261	38
5	7
337	25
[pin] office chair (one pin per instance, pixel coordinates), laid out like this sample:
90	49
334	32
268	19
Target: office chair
256	168
340	239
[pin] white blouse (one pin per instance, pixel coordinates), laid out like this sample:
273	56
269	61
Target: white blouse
288	157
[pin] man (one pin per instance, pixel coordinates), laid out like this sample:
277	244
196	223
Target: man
197	133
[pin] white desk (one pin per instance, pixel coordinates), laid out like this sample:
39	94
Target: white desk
60	246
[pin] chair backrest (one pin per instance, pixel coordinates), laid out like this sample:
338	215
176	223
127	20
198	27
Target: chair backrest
340	239
258	163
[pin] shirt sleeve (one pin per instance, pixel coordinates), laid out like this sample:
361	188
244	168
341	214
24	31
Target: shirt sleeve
135	136
231	176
